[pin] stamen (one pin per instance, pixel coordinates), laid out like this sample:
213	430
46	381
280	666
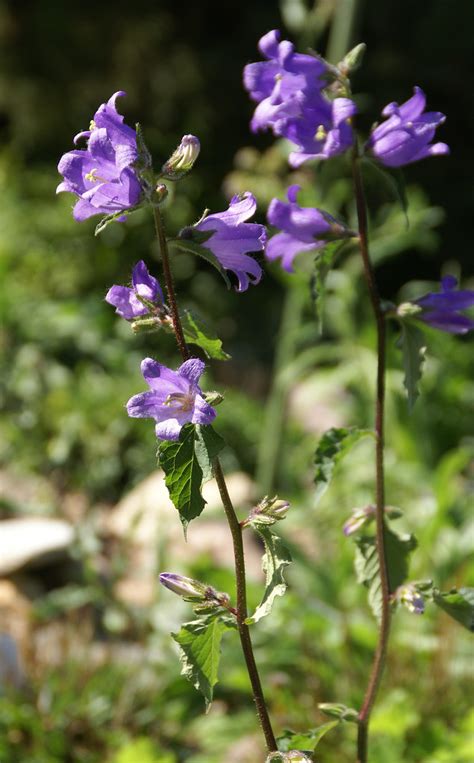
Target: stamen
181	401
321	133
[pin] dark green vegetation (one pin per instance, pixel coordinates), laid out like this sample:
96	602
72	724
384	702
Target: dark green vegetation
69	364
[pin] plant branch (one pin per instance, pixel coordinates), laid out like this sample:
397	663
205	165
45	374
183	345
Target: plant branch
233	522
384	632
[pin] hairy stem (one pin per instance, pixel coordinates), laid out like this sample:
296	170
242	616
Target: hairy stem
233	522
384	632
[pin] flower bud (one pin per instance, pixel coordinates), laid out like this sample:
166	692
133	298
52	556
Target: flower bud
267	512
408	309
359	518
182	159
411	598
213	398
353	60
183	586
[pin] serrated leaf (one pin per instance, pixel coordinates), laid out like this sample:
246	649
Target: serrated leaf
199	643
309	741
207	445
322	265
397	549
274	561
458	604
196	332
192	247
187	464
413	346
331	448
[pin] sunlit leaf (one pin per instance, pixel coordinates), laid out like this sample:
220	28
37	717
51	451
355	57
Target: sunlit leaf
275	559
333	445
196	332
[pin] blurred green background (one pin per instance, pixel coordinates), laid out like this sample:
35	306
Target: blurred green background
68	365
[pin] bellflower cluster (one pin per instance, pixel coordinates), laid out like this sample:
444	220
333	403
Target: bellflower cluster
406	135
303	229
131	302
232	237
174	398
102	176
442	309
289	89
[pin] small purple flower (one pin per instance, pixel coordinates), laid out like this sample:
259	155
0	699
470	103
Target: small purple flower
303	229
442	309
411	598
232	237
127	301
102	175
406	135
174	398
322	130
278	83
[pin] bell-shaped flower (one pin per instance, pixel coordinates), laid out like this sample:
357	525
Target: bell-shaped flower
303	229
132	302
174	398
406	134
278	83
442	309
322	130
102	175
232	237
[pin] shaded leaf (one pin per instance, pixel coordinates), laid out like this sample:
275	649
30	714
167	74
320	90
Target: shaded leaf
332	446
274	561
196	332
207	445
322	265
458	604
192	247
413	346
398	549
393	180
199	642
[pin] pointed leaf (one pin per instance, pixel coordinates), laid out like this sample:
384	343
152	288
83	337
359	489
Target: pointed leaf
322	265
191	247
397	549
458	604
413	346
332	446
196	332
274	561
199	642
307	742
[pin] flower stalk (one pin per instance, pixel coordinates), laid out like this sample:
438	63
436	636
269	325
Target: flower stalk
232	520
384	632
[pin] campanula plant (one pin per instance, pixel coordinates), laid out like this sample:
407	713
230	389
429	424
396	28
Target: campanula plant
309	102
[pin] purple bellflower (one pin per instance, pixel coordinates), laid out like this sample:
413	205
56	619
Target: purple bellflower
278	83
232	238
322	130
406	135
127	300
303	229
442	309
174	398
102	175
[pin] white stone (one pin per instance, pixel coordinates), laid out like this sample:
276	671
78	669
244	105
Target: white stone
32	541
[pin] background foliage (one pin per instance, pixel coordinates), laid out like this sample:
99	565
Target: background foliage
68	365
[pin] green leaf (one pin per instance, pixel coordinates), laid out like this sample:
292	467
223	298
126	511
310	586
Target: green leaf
332	446
309	741
112	218
199	642
413	346
196	332
393	180
207	445
397	549
340	711
322	265
458	604
187	464
191	247
274	561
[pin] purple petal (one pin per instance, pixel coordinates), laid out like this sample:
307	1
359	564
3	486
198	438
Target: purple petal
203	413
83	209
160	377
192	370
287	247
125	302
148	405
145	285
452	322
168	430
268	44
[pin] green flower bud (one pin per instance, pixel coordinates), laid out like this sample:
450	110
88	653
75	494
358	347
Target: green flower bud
182	160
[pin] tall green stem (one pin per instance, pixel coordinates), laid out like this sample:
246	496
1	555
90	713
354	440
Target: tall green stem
233	522
384	632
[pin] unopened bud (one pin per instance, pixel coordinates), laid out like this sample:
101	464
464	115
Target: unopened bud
145	324
183	586
360	518
182	159
352	60
213	398
408	309
267	512
411	598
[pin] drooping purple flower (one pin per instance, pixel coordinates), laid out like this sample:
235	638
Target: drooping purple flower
406	135
322	130
174	398
127	300
278	83
442	309
232	238
303	229
102	175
